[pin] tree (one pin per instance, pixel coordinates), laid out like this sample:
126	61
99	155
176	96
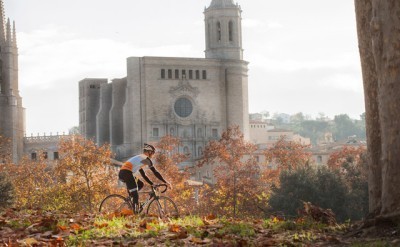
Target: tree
378	23
319	186
167	160
344	127
5	150
85	170
237	173
351	163
287	155
6	191
31	180
313	129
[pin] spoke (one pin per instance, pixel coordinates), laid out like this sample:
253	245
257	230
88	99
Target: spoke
116	205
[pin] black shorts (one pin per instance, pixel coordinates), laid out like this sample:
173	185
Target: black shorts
132	183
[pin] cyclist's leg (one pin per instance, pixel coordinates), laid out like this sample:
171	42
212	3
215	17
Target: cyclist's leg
131	185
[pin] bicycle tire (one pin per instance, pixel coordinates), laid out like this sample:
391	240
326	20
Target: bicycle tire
115	204
164	207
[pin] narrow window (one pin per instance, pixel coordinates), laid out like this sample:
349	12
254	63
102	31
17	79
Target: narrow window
163	74
177	74
258	158
215	133
199	175
33	156
172	131
56	155
209	34
170	74
219	31
45	155
319	159
200	151
204	75
230	31
198	74
155	132
208	173
186	150
190	74
183	74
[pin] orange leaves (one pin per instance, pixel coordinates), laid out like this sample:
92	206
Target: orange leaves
75	226
180	232
287	154
236	173
350	155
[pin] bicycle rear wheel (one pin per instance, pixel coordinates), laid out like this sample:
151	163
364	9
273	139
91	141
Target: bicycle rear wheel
163	207
115	204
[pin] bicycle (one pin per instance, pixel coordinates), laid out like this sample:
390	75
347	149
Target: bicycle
156	204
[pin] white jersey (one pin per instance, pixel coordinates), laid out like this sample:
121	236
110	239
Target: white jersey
136	163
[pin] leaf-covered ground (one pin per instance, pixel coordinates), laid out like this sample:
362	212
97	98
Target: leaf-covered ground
39	228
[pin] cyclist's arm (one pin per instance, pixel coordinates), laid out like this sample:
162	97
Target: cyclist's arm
154	170
145	176
157	174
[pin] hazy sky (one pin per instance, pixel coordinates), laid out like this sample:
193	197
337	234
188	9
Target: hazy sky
303	54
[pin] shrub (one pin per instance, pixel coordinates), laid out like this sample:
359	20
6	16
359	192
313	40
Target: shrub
320	186
6	192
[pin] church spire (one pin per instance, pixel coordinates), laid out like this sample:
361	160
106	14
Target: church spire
8	33
14	38
2	22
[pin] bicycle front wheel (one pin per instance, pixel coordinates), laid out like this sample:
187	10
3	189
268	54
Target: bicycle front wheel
115	204
163	207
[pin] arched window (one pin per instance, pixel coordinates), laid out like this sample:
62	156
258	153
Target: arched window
230	28
219	31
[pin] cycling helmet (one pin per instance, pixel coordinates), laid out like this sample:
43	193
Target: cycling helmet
148	147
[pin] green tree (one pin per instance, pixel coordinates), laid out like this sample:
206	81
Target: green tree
344	127
313	129
321	187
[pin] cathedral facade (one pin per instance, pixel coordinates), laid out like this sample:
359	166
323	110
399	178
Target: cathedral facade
195	99
12	113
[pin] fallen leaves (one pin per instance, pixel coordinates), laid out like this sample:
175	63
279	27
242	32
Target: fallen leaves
21	228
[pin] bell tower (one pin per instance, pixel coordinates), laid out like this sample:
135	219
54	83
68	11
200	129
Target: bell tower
223	24
12	114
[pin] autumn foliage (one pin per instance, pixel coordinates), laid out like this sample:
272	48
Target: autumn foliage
167	159
238	190
76	182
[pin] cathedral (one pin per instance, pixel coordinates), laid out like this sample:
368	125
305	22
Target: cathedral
12	114
195	99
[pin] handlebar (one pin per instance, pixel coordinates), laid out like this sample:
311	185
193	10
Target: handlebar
156	186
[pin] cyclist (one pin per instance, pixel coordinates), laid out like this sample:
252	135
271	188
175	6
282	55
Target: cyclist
138	164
